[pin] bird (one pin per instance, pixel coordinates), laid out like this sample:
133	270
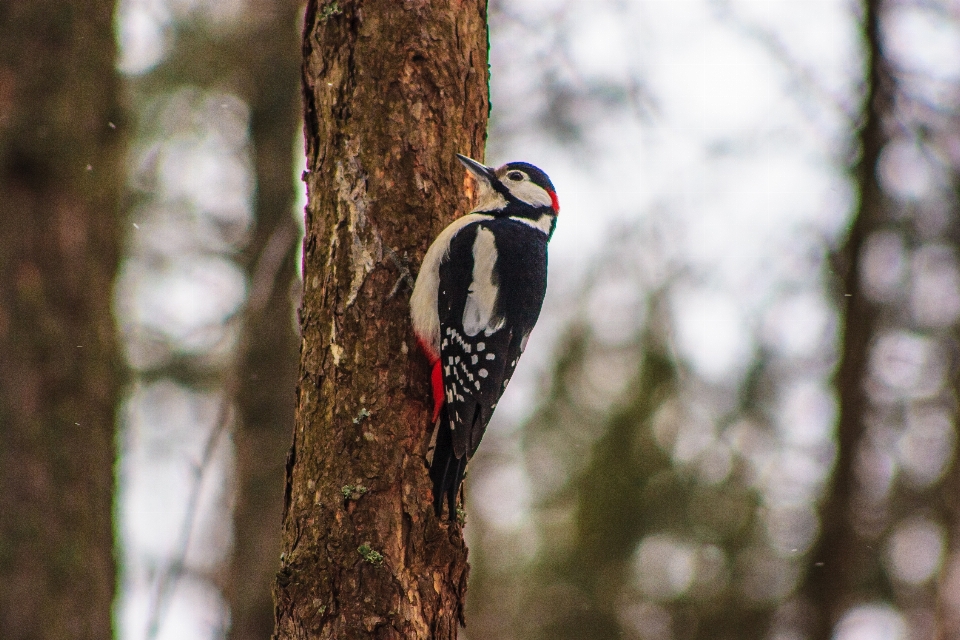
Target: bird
476	299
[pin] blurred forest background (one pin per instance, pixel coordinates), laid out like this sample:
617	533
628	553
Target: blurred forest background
737	416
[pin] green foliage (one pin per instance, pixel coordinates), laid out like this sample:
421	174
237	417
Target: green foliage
613	485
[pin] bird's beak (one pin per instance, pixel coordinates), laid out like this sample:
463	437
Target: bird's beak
479	171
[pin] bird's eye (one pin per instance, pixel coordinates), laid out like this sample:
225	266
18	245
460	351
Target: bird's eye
516	176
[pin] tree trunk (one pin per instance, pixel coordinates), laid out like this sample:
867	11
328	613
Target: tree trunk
843	569
60	183
391	92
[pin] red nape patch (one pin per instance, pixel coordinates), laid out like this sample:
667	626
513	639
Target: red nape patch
436	377
555	200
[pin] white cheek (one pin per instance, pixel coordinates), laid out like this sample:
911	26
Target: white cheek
530	193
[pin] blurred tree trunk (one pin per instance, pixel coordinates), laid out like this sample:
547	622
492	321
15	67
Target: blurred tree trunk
269	359
947	498
391	92
843	568
947	606
60	184
260	60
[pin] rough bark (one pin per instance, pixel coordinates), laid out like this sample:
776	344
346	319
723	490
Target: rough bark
391	92
269	360
842	567
60	183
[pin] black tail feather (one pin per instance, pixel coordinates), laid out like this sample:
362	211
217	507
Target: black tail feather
446	470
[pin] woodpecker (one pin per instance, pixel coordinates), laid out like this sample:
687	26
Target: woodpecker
475	302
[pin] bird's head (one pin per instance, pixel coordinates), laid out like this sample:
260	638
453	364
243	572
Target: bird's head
515	185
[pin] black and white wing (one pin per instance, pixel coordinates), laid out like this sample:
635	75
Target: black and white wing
479	345
485	319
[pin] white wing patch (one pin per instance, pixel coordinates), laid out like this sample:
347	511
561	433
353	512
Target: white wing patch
423	301
479	311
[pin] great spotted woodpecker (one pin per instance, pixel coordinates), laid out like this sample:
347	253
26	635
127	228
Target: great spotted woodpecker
475	301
